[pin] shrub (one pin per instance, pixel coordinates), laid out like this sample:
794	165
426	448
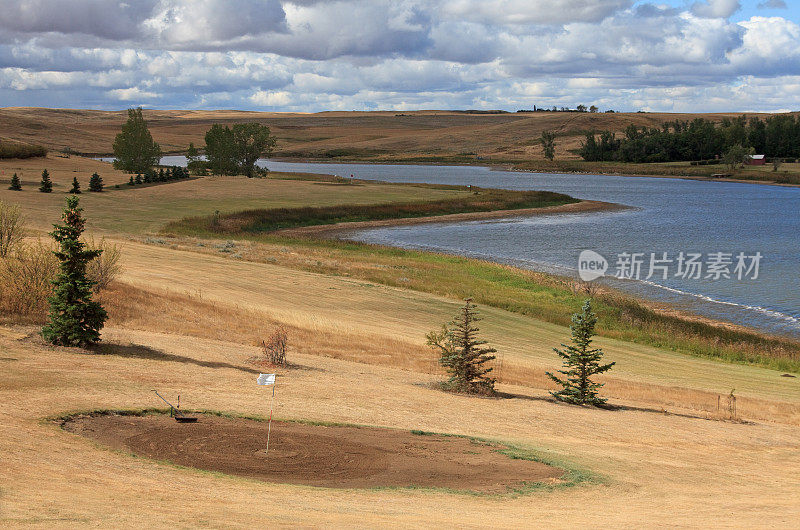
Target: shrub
25	281
275	347
105	268
12	228
15	150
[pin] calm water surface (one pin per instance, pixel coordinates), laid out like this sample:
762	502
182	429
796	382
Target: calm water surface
668	215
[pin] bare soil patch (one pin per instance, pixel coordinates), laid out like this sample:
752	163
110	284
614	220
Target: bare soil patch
316	455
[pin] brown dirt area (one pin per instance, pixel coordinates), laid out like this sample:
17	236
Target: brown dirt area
317	455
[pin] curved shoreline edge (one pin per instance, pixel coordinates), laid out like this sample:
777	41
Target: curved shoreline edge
343	230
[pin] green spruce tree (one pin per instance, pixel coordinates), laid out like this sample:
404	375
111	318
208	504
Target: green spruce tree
581	362
76	186
75	318
131	182
16	185
463	354
138	180
96	183
46	186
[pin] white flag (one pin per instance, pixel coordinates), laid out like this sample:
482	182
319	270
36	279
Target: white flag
266	379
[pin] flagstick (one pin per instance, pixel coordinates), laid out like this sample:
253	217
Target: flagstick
269	428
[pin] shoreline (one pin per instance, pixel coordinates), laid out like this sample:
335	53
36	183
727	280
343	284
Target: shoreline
344	231
508	166
341	230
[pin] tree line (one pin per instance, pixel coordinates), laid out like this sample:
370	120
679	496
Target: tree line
698	139
228	150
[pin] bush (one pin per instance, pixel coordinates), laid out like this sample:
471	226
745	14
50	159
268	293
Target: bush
104	269
275	347
25	281
12	228
14	150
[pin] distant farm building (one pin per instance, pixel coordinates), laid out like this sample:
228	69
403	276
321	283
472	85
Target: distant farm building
756	160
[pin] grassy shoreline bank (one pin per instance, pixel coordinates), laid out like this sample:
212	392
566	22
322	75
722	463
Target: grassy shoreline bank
541	296
270	220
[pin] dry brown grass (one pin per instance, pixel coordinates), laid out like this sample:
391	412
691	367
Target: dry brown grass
190	314
371	135
657	469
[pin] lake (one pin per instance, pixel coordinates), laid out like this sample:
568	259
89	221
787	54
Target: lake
671	216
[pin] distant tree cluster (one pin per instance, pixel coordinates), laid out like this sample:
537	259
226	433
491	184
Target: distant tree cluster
699	139
163	174
235	150
580	108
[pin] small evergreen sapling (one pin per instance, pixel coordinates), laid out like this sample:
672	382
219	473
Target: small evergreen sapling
138	179
76	186
75	318
96	183
46	186
131	181
581	362
16	185
463	355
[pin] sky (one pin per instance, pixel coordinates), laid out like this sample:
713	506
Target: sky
314	55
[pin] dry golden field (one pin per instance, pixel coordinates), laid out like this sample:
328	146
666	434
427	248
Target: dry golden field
186	322
363	135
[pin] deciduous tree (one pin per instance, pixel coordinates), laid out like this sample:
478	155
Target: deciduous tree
134	148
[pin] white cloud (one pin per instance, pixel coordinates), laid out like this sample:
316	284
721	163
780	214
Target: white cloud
263	98
716	8
353	54
131	94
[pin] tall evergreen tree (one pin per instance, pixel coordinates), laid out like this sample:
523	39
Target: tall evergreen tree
463	354
549	144
96	183
75	318
46	186
16	185
134	147
76	186
581	362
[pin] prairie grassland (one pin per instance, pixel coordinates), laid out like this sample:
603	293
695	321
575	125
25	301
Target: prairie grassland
147	209
536	295
655	469
186	322
352	307
381	136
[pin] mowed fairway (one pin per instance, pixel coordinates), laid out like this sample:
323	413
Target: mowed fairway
185	323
